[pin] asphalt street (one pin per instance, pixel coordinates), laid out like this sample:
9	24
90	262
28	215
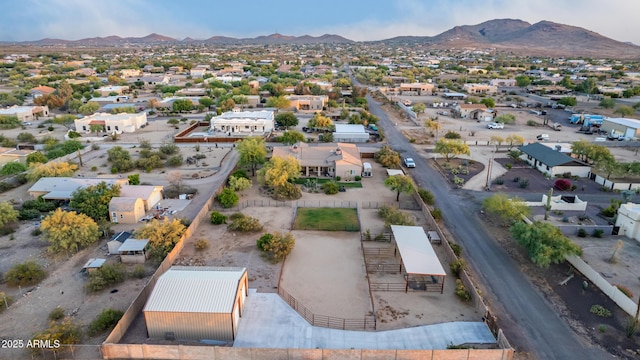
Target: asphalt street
533	324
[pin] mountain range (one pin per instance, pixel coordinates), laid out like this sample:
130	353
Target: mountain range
517	36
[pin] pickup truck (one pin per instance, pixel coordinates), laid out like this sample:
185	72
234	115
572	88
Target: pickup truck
495	125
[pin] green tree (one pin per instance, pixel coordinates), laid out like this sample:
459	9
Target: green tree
239	183
94	200
497	140
228	198
27	273
488	102
544	242
387	157
89	108
206	101
588	86
400	184
162	235
50	169
277	246
182	105
291	137
278	171
253	152
36	157
120	159
624	110
13	167
419	108
568	101
514	140
8	214
9	122
75	104
173	122
286	119
523	81
279	102
134	179
508	210
26	137
607	103
449	148
69	231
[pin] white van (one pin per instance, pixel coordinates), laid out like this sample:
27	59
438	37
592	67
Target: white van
366	170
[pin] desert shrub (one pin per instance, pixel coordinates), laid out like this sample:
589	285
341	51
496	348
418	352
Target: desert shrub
437	214
357	178
562	184
287	191
566	175
236	216
28	214
387	157
278	246
65	332
169	149
602	328
56	314
597	233
201	244
239	183
40	205
461	291
452	135
138	272
532	123
228	198
508	166
338	178
245	224
499	181
13	167
458	181
106	320
263	240
582	233
516	179
36	232
105	276
625	290
457	266
427	196
240	174
330	187
175	160
523	183
393	216
217	218
457	249
600	310
25	274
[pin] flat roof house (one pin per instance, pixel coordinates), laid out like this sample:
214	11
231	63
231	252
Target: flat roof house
113	123
197	303
25	113
332	159
244	123
308	102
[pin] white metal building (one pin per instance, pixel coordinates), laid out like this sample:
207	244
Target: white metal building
628	128
350	133
197	303
629	220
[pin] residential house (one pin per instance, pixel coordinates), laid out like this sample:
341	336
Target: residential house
416	89
553	162
126	210
191	92
480	89
244	122
86	72
308	102
113	123
503	82
129	73
197	72
8	155
110	90
471	111
150	195
331	159
61	188
25	113
115	99
42	90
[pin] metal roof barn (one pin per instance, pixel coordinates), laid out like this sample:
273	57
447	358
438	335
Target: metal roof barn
197	303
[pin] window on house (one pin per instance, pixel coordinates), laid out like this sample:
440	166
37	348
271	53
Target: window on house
121	216
117	128
108	128
529	157
84	128
547	167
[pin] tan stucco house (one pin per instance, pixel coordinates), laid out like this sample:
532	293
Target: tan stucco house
326	160
126	210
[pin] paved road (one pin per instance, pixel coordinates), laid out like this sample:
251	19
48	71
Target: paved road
533	325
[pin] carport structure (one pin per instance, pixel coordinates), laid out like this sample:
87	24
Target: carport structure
423	270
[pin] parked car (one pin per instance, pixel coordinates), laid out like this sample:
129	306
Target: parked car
408	162
495	125
543	137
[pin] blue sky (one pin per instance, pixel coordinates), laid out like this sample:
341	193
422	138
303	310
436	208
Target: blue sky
355	19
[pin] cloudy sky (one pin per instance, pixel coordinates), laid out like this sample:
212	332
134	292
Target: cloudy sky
22	20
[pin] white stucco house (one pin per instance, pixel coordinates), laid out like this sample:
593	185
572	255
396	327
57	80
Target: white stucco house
113	123
244	123
629	220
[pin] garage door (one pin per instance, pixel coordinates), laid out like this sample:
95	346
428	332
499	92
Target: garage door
630	133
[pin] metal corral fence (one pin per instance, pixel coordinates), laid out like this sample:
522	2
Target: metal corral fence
253	203
381	237
367	322
326	204
402	205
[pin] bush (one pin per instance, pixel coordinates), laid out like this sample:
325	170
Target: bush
516	179
437	214
462	291
532	123
138	272
330	188
175	160
562	184
106	320
201	244
13	167
36	232
245	224
597	233
278	246
28	214
499	181
457	249
508	166
523	183
452	135
600	310
217	218
25	274
240	174
582	233
357	178
457	266
427	196
338	178
393	216
236	216
56	314
105	276
263	241
625	290
228	198
169	149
